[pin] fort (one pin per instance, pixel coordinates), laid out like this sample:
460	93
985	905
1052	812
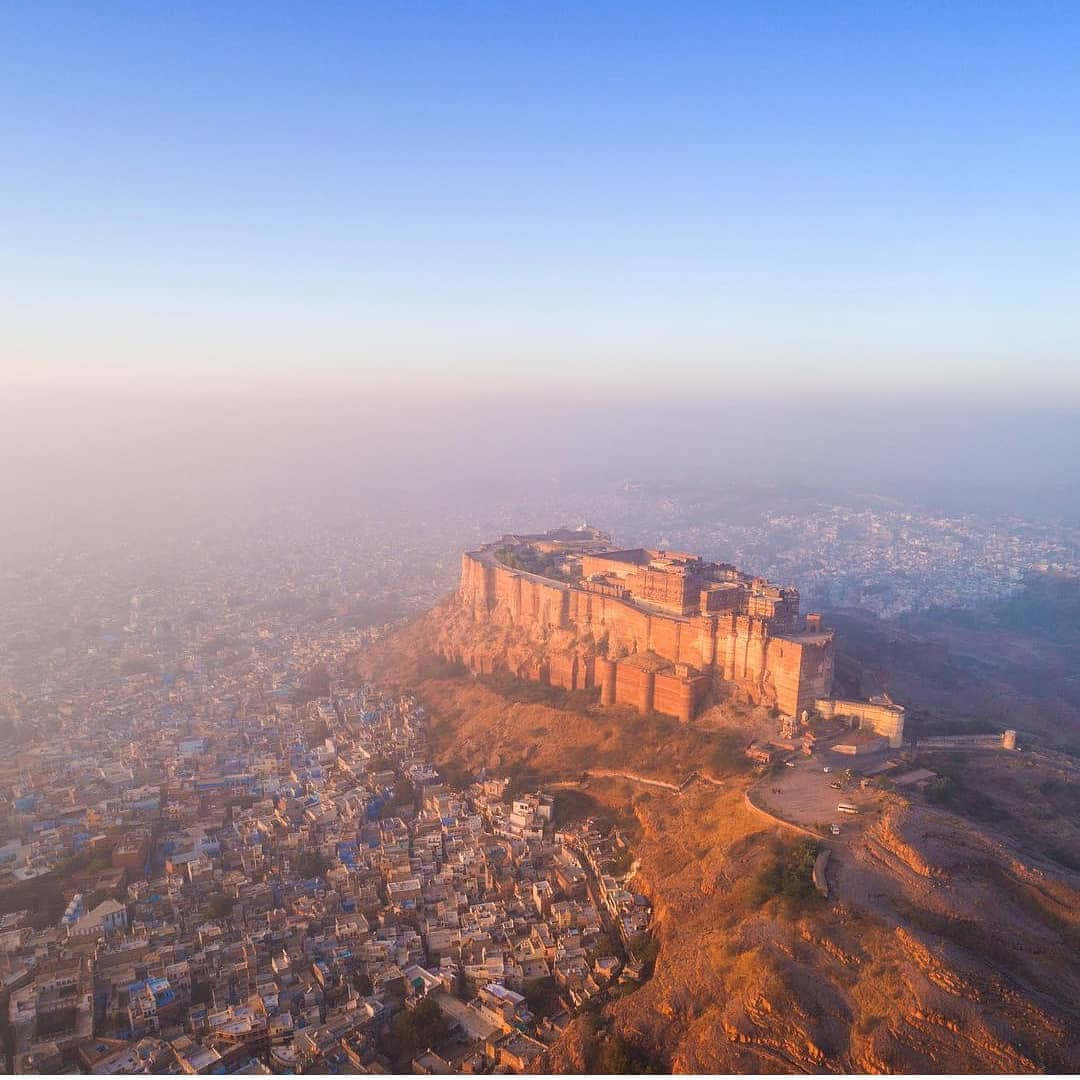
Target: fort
650	628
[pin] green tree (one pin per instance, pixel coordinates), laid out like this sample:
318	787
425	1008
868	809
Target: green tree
646	948
405	791
420	1028
311	864
617	1055
316	734
219	906
788	873
728	753
620	861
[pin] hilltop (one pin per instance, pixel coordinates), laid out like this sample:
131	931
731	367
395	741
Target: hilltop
948	941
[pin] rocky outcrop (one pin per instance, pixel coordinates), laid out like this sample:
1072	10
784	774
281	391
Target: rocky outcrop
885	839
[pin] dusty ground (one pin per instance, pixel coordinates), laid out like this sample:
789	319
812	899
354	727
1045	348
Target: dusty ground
803	794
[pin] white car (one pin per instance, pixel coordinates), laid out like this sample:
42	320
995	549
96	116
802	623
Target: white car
834	829
828	768
790	764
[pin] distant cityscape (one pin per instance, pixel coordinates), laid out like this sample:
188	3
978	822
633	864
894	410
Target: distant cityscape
260	604
213	856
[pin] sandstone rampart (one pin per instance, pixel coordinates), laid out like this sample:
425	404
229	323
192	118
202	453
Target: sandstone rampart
882	717
637	655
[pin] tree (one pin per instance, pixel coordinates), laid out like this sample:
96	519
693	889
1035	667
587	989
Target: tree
789	874
727	753
311	864
603	945
135	665
618	1056
542	997
98	896
420	1028
646	947
219	906
620	862
317	681
317	734
405	791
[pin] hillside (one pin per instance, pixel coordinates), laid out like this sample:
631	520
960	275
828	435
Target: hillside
1007	663
949	941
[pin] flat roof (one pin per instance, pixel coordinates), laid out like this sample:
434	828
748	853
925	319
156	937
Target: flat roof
635	556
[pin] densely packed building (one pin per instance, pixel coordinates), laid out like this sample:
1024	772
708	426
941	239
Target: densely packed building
294	887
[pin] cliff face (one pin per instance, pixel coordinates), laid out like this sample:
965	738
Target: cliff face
946	944
527	648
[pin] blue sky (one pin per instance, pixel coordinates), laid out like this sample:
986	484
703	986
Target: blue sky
817	199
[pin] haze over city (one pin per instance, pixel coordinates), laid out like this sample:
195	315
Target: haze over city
539	538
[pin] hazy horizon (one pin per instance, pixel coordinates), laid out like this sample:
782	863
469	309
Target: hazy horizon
398	260
70	453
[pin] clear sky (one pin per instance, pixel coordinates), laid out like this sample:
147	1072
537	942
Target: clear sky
805	198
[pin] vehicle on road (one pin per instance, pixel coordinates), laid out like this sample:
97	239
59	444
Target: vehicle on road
790	764
834	829
828	768
847	808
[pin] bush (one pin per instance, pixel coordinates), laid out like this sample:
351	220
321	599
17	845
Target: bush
728	754
788	874
617	1055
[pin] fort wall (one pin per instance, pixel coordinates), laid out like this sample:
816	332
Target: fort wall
883	718
788	671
